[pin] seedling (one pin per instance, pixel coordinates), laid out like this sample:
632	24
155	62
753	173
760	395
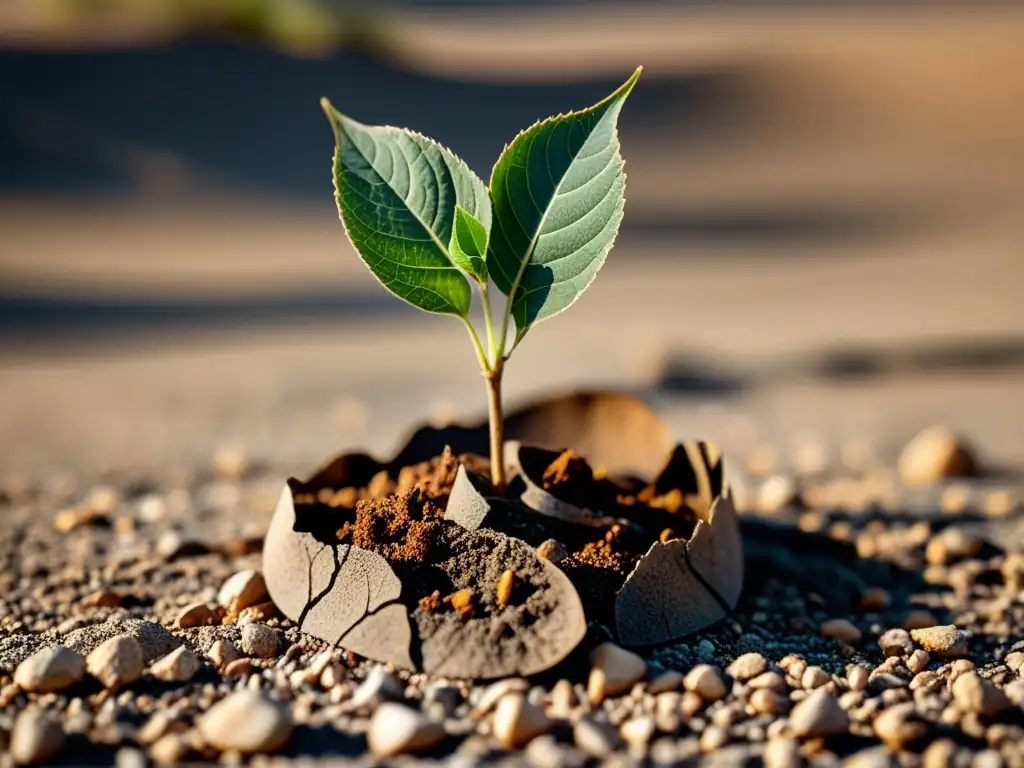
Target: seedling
427	226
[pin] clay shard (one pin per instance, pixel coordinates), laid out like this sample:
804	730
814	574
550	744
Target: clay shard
682	586
526	462
466	505
339	593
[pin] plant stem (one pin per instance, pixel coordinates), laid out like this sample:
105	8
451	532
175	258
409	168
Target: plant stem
480	354
492	355
497	425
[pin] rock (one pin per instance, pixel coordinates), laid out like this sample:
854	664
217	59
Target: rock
858	678
237	668
974	693
378	686
818	715
177	666
705	681
126	757
615	670
153	638
666	681
713	737
898	726
552	551
935	453
222	653
442	698
517	721
259	640
637	733
918	661
172	545
103	598
747	666
895	642
918	620
782	753
814	677
244	589
37	737
595	738
945	641
247	722
171	749
1015	661
117	662
875	599
197	615
395	729
51	669
842	630
939	754
765	701
770	679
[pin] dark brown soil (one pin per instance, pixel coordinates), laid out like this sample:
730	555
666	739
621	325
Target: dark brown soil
401	518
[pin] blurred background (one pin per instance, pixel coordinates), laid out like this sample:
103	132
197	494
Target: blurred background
823	248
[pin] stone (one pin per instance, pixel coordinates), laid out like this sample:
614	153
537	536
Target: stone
378	686
875	599
918	620
637	733
614	671
782	753
918	661
841	629
117	662
747	666
666	681
935	453
765	701
37	737
442	698
858	678
973	693
705	681
895	642
238	668
770	679
50	669
950	545
247	722
941	753
242	590
814	677
177	666
596	738
127	757
171	749
222	653
944	641
898	726
197	615
395	729
259	640
103	598
818	715
553	551
517	721
713	737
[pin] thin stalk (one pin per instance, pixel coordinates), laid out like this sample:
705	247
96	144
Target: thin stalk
495	417
492	355
480	354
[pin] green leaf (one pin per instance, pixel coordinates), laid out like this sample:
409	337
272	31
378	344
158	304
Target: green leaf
469	244
557	196
397	192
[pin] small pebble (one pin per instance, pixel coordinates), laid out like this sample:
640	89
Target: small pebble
918	661
858	678
842	630
666	681
37	737
396	729
713	737
177	666
765	701
517	721
259	640
814	677
935	453
196	615
222	653
614	671
596	738
782	753
247	722
974	693
944	641
747	666
895	642
637	733
705	681
378	686
898	726
51	669
116	662
875	599
552	551
242	590
818	715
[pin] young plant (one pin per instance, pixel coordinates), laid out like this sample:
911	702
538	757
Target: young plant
426	225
